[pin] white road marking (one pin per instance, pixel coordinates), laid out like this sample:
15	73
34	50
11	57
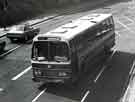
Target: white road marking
34	100
22	73
129	19
125	97
99	74
10	51
132	68
125	26
104	67
84	97
122	30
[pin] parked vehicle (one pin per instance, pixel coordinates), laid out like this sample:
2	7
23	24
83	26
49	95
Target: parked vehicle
22	32
59	55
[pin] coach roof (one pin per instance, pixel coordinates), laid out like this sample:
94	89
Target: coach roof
71	29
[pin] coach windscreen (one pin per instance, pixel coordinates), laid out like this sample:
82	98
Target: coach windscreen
50	51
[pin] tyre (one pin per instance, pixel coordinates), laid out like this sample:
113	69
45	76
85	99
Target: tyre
107	50
73	83
12	40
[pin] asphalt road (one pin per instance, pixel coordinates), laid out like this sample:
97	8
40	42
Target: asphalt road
103	83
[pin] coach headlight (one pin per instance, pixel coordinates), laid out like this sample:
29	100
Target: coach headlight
62	74
38	72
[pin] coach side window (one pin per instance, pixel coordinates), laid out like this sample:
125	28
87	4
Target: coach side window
104	25
107	24
111	20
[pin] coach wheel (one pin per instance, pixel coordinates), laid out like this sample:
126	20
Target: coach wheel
72	84
12	40
83	67
75	81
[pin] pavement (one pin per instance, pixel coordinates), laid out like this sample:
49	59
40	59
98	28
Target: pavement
129	95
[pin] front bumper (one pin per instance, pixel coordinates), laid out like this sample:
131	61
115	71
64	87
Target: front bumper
52	76
51	80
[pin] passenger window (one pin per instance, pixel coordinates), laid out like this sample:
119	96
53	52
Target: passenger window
111	25
108	22
111	21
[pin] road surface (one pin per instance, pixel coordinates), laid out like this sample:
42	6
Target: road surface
104	83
